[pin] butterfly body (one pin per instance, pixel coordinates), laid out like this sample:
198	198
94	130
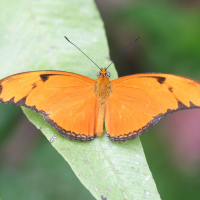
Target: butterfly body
78	106
102	92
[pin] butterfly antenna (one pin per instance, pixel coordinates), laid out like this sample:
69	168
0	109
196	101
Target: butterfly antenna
81	51
124	50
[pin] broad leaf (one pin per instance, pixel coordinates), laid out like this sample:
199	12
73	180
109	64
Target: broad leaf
32	38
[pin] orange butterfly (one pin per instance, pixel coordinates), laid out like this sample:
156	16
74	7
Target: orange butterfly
77	106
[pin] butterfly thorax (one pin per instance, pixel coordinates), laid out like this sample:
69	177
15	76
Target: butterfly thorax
102	89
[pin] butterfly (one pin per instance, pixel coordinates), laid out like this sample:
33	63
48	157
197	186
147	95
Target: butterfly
78	106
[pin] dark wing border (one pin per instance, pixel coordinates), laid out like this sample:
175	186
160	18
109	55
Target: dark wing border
156	119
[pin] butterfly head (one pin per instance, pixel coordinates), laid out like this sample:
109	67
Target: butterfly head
103	73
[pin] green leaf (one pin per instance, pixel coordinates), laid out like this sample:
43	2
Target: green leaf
32	39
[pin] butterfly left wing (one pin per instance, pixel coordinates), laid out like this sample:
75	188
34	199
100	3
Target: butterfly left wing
66	100
137	102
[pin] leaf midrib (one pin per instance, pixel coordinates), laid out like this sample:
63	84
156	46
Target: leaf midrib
113	168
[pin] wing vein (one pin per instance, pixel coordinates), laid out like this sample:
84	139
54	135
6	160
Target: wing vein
69	97
85	109
135	99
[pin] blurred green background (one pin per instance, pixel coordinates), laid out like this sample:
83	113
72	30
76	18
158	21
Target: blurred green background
170	43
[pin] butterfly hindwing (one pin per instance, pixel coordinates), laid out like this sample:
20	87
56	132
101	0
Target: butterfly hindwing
66	100
139	101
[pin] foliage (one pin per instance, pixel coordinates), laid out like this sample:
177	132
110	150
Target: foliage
33	40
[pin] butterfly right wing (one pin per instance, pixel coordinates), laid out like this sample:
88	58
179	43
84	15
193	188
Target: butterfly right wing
139	101
67	101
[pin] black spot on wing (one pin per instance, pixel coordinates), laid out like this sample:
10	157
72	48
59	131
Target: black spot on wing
160	80
170	89
1	88
34	86
44	77
157	118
